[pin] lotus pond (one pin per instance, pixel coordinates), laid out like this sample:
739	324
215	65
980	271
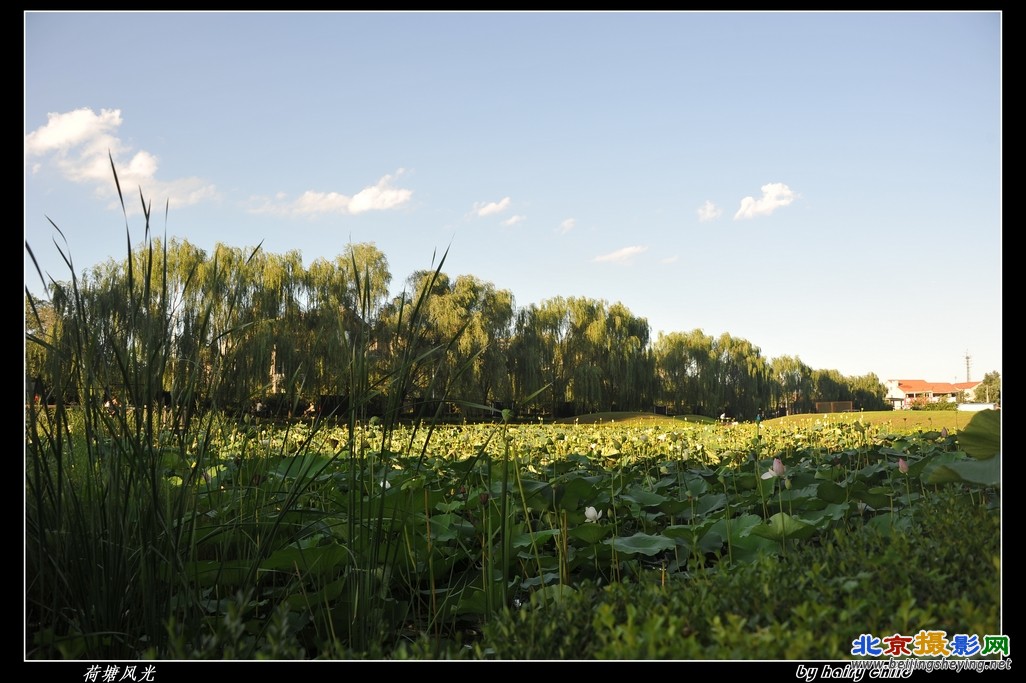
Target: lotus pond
365	536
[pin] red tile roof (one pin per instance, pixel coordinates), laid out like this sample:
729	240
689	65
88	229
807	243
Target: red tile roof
967	385
918	386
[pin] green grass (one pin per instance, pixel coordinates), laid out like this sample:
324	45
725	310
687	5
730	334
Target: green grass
635	419
901	420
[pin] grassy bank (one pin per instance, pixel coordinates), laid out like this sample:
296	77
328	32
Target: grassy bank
901	420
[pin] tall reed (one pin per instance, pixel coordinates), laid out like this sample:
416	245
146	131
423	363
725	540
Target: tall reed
105	542
142	539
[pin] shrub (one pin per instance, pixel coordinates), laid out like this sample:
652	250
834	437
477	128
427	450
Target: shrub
943	574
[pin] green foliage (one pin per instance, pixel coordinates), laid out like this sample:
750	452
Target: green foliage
273	326
942	573
989	389
146	516
924	403
981	438
165	520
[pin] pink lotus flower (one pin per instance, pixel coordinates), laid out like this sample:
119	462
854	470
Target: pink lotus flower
777	470
902	466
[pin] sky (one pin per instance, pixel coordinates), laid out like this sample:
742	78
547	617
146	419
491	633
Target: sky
824	185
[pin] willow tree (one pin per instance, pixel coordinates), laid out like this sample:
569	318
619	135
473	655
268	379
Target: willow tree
98	329
792	383
480	349
584	352
684	370
830	385
868	392
40	329
234	372
587	355
528	357
540	355
368	278
323	340
417	329
742	376
629	364
188	318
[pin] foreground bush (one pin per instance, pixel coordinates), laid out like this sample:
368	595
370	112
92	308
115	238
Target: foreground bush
942	573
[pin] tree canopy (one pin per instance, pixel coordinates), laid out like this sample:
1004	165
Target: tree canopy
249	324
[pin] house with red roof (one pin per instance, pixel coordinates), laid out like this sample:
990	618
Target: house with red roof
902	393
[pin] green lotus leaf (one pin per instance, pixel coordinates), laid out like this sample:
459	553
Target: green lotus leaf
874	499
830	473
448	527
984	472
696	487
751	547
555	592
577	489
538	493
831	492
644	498
981	438
783	525
641	543
303	466
534	537
710	502
589	533
888	523
834	512
680	532
547	578
322	559
675	507
712	541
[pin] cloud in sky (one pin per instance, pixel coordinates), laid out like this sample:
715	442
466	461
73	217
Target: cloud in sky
669	259
625	255
513	220
482	209
774	195
381	196
708	211
567	225
81	144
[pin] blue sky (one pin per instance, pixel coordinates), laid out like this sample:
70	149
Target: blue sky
824	185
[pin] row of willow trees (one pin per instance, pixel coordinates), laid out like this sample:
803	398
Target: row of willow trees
239	326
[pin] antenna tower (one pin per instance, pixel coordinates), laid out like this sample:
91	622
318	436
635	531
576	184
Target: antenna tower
968	366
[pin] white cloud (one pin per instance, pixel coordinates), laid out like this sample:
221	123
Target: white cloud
491	207
311	202
81	144
774	195
669	259
65	131
567	225
709	211
624	255
381	196
513	220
